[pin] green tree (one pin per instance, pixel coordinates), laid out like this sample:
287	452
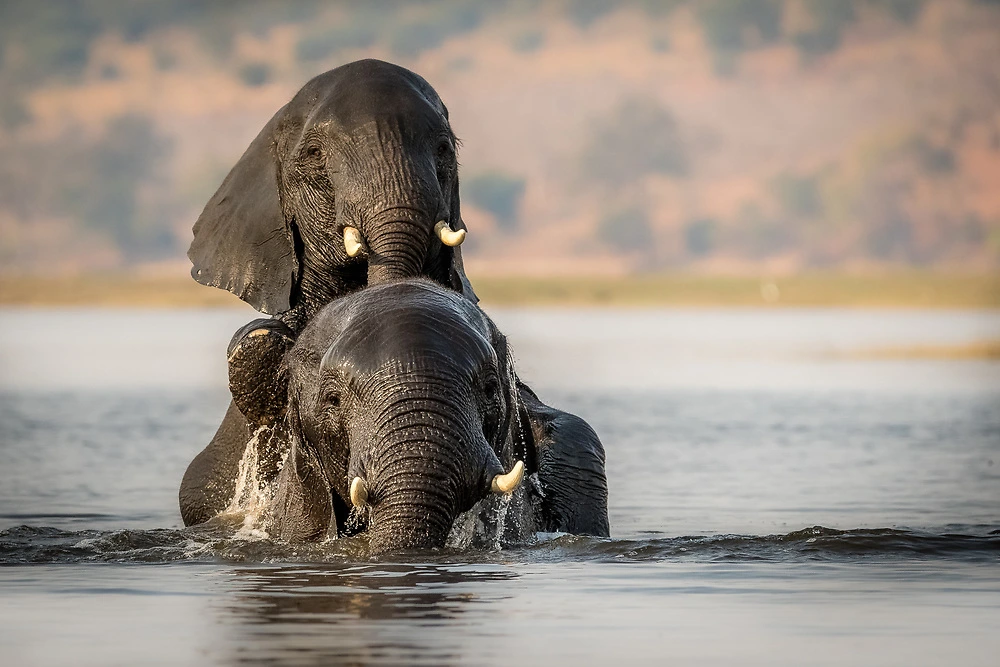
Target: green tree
528	41
906	11
498	193
829	21
735	25
585	12
255	74
699	236
798	196
438	23
317	46
99	185
638	137
626	230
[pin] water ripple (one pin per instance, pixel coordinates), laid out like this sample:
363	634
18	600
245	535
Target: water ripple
207	544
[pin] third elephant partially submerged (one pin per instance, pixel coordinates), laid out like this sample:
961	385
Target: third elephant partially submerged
397	410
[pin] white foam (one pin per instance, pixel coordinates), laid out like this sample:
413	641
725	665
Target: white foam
252	495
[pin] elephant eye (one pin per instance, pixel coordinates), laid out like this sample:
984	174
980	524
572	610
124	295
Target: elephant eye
331	401
314	151
445	159
491	386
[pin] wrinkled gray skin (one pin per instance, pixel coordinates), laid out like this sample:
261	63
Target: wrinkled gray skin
410	387
366	145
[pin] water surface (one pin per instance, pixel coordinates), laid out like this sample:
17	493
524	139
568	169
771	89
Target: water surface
774	500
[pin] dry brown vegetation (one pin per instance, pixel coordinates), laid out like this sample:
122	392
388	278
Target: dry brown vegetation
986	349
901	289
746	136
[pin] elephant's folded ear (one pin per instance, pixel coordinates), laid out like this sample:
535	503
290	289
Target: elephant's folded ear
241	242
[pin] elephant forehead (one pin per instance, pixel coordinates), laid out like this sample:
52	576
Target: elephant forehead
408	338
378	97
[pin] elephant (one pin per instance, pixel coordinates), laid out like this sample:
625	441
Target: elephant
403	411
354	181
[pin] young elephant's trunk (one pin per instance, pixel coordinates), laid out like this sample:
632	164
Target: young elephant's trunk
414	515
425	468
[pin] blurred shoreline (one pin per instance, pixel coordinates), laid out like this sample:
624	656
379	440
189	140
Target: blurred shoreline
739	137
898	289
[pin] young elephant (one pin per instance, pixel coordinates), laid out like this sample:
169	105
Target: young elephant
402	403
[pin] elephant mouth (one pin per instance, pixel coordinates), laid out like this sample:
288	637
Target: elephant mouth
417	520
385	539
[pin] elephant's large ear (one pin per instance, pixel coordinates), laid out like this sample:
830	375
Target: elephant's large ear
241	241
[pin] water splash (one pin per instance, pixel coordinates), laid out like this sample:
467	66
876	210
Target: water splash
495	523
500	520
253	492
465	528
481	527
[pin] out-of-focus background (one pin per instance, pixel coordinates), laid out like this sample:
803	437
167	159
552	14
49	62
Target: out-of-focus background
786	485
752	138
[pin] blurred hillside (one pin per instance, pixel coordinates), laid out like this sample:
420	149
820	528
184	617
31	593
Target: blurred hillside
598	137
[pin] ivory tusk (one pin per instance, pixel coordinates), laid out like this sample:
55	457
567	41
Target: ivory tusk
449	236
508	482
352	241
359	492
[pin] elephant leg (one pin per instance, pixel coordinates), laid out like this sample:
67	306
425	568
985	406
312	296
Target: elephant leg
570	463
210	480
256	380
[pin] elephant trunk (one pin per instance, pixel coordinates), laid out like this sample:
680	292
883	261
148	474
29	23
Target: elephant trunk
398	241
415	515
425	469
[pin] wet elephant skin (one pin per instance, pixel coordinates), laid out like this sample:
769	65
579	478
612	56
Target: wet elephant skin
410	387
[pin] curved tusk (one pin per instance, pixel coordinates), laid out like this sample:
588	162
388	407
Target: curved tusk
359	492
449	236
509	481
352	241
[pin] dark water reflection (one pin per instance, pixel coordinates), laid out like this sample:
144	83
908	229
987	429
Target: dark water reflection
904	612
362	592
363	614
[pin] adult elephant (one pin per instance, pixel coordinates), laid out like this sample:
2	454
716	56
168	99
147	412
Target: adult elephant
402	404
353	182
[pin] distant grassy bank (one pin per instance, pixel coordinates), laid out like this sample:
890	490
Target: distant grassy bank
984	349
900	289
910	289
111	290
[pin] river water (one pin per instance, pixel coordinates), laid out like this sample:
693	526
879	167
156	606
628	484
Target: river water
778	497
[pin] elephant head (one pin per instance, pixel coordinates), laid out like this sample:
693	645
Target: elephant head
354	181
403	405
